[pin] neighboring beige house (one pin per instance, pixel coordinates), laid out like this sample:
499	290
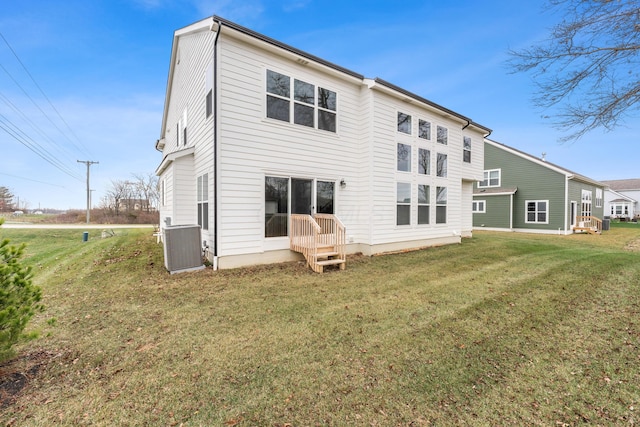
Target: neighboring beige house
263	143
621	198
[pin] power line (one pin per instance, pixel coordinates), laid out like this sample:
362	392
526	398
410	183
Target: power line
32	180
46	97
24	139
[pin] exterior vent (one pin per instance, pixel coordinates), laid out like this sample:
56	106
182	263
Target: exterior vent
182	248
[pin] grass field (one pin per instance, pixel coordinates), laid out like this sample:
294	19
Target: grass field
503	329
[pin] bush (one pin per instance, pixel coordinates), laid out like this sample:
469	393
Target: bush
19	298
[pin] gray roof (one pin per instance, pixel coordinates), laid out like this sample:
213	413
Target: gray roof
623	184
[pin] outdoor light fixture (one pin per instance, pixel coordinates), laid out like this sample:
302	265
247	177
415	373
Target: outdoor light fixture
343	183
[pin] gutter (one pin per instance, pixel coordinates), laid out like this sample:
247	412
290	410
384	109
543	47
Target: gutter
216	26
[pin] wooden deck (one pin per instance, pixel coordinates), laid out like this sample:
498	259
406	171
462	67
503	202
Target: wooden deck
588	224
320	238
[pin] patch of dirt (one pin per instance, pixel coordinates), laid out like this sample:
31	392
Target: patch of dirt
634	245
15	374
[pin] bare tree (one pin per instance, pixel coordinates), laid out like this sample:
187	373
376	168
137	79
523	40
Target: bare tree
589	67
147	189
119	192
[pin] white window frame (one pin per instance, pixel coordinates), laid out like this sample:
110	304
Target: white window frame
479	206
292	101
422	204
203	200
440	203
536	212
486	182
466	148
407	122
598	197
442	135
427	137
403	202
410	148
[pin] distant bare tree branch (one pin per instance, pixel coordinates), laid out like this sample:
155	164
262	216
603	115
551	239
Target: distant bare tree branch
589	67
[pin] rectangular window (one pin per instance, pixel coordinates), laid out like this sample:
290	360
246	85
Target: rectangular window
303	107
404	158
403	204
423	204
598	197
424	129
404	123
479	206
537	211
326	109
181	129
324	197
441	165
466	149
308	110
276	206
586	202
424	161
442	135
278	96
209	104
441	205
491	178
203	201
208	89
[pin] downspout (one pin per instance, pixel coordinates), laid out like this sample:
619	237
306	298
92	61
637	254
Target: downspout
566	203
217	27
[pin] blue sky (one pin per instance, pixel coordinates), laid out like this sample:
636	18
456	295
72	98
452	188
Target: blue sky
101	71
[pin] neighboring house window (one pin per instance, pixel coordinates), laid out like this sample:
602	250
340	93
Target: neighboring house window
537	211
479	206
424	129
203	201
441	165
276	200
466	149
442	135
404	123
404	158
491	178
308	110
423	204
598	197
403	204
620	209
424	161
441	205
586	203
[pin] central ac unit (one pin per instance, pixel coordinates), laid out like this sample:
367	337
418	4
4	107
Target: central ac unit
182	251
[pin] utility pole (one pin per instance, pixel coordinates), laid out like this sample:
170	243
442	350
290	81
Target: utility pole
88	163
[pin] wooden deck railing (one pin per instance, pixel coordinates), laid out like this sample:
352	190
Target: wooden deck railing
590	224
320	238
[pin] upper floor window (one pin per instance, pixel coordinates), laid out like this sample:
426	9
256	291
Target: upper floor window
441	165
404	157
181	129
424	161
424	129
305	108
442	135
598	197
404	123
466	149
491	178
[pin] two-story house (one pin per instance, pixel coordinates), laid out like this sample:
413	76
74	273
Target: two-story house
263	144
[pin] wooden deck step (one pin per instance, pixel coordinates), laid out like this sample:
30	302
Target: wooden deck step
331	262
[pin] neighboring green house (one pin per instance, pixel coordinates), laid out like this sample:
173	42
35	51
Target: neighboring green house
521	192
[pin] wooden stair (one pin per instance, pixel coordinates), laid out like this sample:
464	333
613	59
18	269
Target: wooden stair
320	238
588	224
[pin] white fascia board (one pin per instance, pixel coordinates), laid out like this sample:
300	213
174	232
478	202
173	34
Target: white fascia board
171	157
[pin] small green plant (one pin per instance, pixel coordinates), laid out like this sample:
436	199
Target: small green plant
19	298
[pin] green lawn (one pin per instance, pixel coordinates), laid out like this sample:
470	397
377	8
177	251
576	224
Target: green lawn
503	329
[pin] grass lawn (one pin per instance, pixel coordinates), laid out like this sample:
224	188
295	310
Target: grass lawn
503	329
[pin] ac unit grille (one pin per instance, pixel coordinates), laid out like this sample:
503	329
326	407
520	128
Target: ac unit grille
182	250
